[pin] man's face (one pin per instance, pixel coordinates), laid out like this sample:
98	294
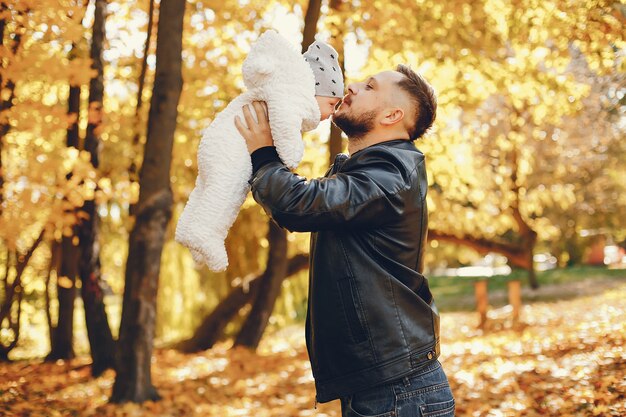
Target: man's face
361	107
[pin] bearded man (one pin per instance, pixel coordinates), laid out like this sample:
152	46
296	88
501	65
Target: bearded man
372	328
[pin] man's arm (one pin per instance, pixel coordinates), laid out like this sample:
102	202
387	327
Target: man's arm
364	197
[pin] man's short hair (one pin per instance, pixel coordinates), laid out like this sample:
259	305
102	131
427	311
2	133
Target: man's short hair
424	100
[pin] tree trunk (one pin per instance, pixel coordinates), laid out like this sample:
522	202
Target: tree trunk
573	247
310	23
6	304
98	330
529	236
63	333
132	170
212	328
269	289
2	26
14	326
335	143
133	379
9	85
12	322
55	259
529	244
515	253
73	100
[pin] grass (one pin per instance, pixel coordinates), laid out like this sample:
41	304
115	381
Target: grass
457	293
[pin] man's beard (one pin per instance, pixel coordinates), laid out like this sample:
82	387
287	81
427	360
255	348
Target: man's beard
355	127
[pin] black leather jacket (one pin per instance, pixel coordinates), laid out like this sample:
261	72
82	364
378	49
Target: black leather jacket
370	318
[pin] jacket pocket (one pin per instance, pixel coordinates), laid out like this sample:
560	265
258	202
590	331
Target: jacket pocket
351	303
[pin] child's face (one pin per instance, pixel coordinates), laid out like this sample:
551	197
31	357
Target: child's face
327	105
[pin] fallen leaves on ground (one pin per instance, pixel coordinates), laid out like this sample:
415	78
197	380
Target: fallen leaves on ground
566	358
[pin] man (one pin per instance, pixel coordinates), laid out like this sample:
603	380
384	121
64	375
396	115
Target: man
372	328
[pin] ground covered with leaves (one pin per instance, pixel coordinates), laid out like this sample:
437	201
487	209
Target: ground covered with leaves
566	358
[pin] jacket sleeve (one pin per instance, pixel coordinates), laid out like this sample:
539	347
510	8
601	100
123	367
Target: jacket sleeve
369	195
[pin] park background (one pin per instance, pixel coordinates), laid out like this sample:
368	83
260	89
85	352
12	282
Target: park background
102	104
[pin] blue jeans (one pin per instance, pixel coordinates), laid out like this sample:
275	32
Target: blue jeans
424	393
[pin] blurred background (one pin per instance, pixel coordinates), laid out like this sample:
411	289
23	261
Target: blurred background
526	167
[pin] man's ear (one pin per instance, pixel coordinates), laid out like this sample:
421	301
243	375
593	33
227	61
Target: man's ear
392	116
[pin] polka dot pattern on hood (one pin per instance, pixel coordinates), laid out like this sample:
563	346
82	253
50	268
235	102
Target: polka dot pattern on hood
324	61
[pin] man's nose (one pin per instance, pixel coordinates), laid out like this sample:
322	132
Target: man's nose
352	88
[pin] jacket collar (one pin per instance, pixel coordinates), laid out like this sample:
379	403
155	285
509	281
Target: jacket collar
341	158
393	142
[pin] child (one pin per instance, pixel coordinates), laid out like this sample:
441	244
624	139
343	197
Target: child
322	59
299	90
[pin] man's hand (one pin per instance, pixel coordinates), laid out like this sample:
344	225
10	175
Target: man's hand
256	134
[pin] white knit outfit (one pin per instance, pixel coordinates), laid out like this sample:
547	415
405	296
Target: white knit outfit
275	72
